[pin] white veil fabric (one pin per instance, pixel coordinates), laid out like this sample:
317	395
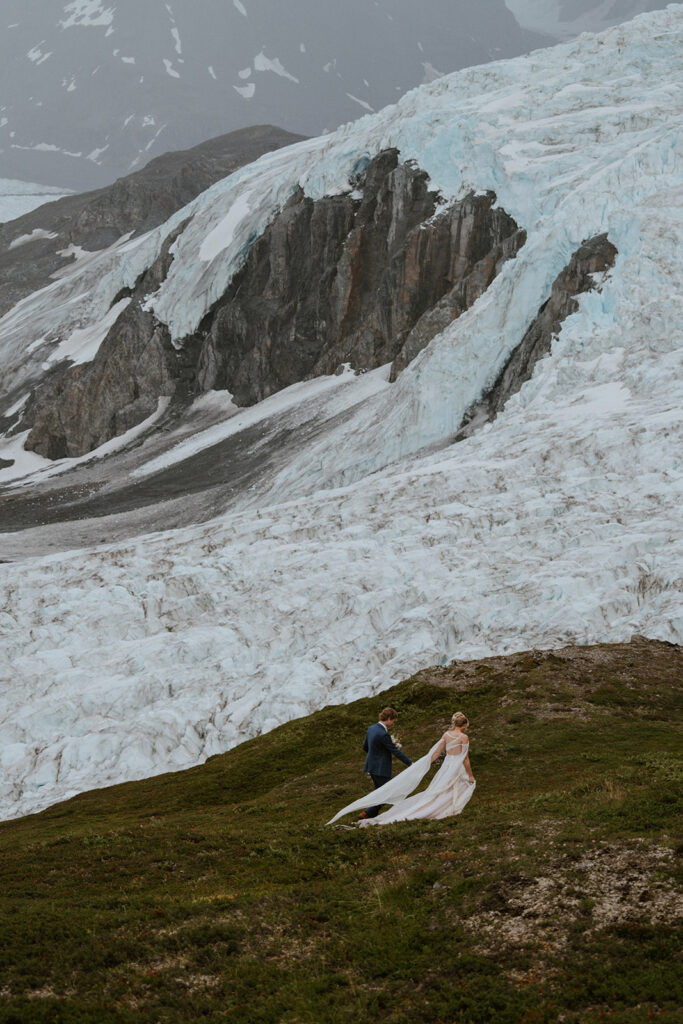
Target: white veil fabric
395	789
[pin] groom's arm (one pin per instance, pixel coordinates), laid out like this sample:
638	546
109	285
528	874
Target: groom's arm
387	741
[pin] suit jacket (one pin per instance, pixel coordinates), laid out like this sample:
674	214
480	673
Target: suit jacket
379	747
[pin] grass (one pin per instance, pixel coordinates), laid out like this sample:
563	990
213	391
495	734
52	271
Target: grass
218	894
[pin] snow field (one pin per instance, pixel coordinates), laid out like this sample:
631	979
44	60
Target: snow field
20	197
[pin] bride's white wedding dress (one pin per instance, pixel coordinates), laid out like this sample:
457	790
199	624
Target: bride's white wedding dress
446	794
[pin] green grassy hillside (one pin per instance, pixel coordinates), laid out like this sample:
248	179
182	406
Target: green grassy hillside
218	894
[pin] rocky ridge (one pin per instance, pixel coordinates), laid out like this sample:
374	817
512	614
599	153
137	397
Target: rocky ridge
367	278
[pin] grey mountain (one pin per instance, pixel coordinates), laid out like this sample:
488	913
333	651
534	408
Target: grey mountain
90	90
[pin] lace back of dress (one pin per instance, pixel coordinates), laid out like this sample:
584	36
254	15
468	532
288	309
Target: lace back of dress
463	743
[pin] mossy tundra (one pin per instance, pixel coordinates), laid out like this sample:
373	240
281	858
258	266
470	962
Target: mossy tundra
219	894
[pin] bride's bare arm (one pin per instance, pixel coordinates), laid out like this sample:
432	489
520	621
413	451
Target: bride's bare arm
468	768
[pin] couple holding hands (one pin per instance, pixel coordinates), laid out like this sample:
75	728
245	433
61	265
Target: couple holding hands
447	793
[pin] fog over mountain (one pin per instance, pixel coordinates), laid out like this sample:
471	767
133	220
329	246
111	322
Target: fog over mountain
93	89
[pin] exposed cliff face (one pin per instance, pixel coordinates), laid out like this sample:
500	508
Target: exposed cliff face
480	240
594	256
77	408
352	280
367	277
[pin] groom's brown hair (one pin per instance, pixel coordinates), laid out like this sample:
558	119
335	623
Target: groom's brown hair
387	713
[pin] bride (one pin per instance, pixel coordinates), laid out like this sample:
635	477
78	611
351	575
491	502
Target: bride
447	793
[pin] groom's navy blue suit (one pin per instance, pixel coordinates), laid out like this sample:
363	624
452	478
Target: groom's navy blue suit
379	747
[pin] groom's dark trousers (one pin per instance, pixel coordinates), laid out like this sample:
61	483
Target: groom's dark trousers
379	747
377	781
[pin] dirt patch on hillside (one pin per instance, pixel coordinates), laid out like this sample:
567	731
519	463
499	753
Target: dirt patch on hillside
610	885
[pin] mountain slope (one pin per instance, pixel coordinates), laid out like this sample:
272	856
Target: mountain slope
36	246
220	892
333	538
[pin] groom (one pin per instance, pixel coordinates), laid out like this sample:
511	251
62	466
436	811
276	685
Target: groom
379	747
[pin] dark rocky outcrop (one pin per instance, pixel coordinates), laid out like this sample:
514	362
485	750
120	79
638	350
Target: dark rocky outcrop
136	203
343	280
592	257
77	408
482	238
365	278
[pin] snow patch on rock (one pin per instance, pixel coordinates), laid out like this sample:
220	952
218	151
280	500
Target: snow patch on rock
34	236
84	13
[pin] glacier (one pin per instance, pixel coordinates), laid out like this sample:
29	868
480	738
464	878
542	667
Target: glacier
20	197
382	546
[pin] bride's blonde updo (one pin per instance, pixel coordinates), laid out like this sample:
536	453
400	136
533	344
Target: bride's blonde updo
459	721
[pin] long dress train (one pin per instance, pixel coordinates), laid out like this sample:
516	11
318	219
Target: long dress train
446	795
